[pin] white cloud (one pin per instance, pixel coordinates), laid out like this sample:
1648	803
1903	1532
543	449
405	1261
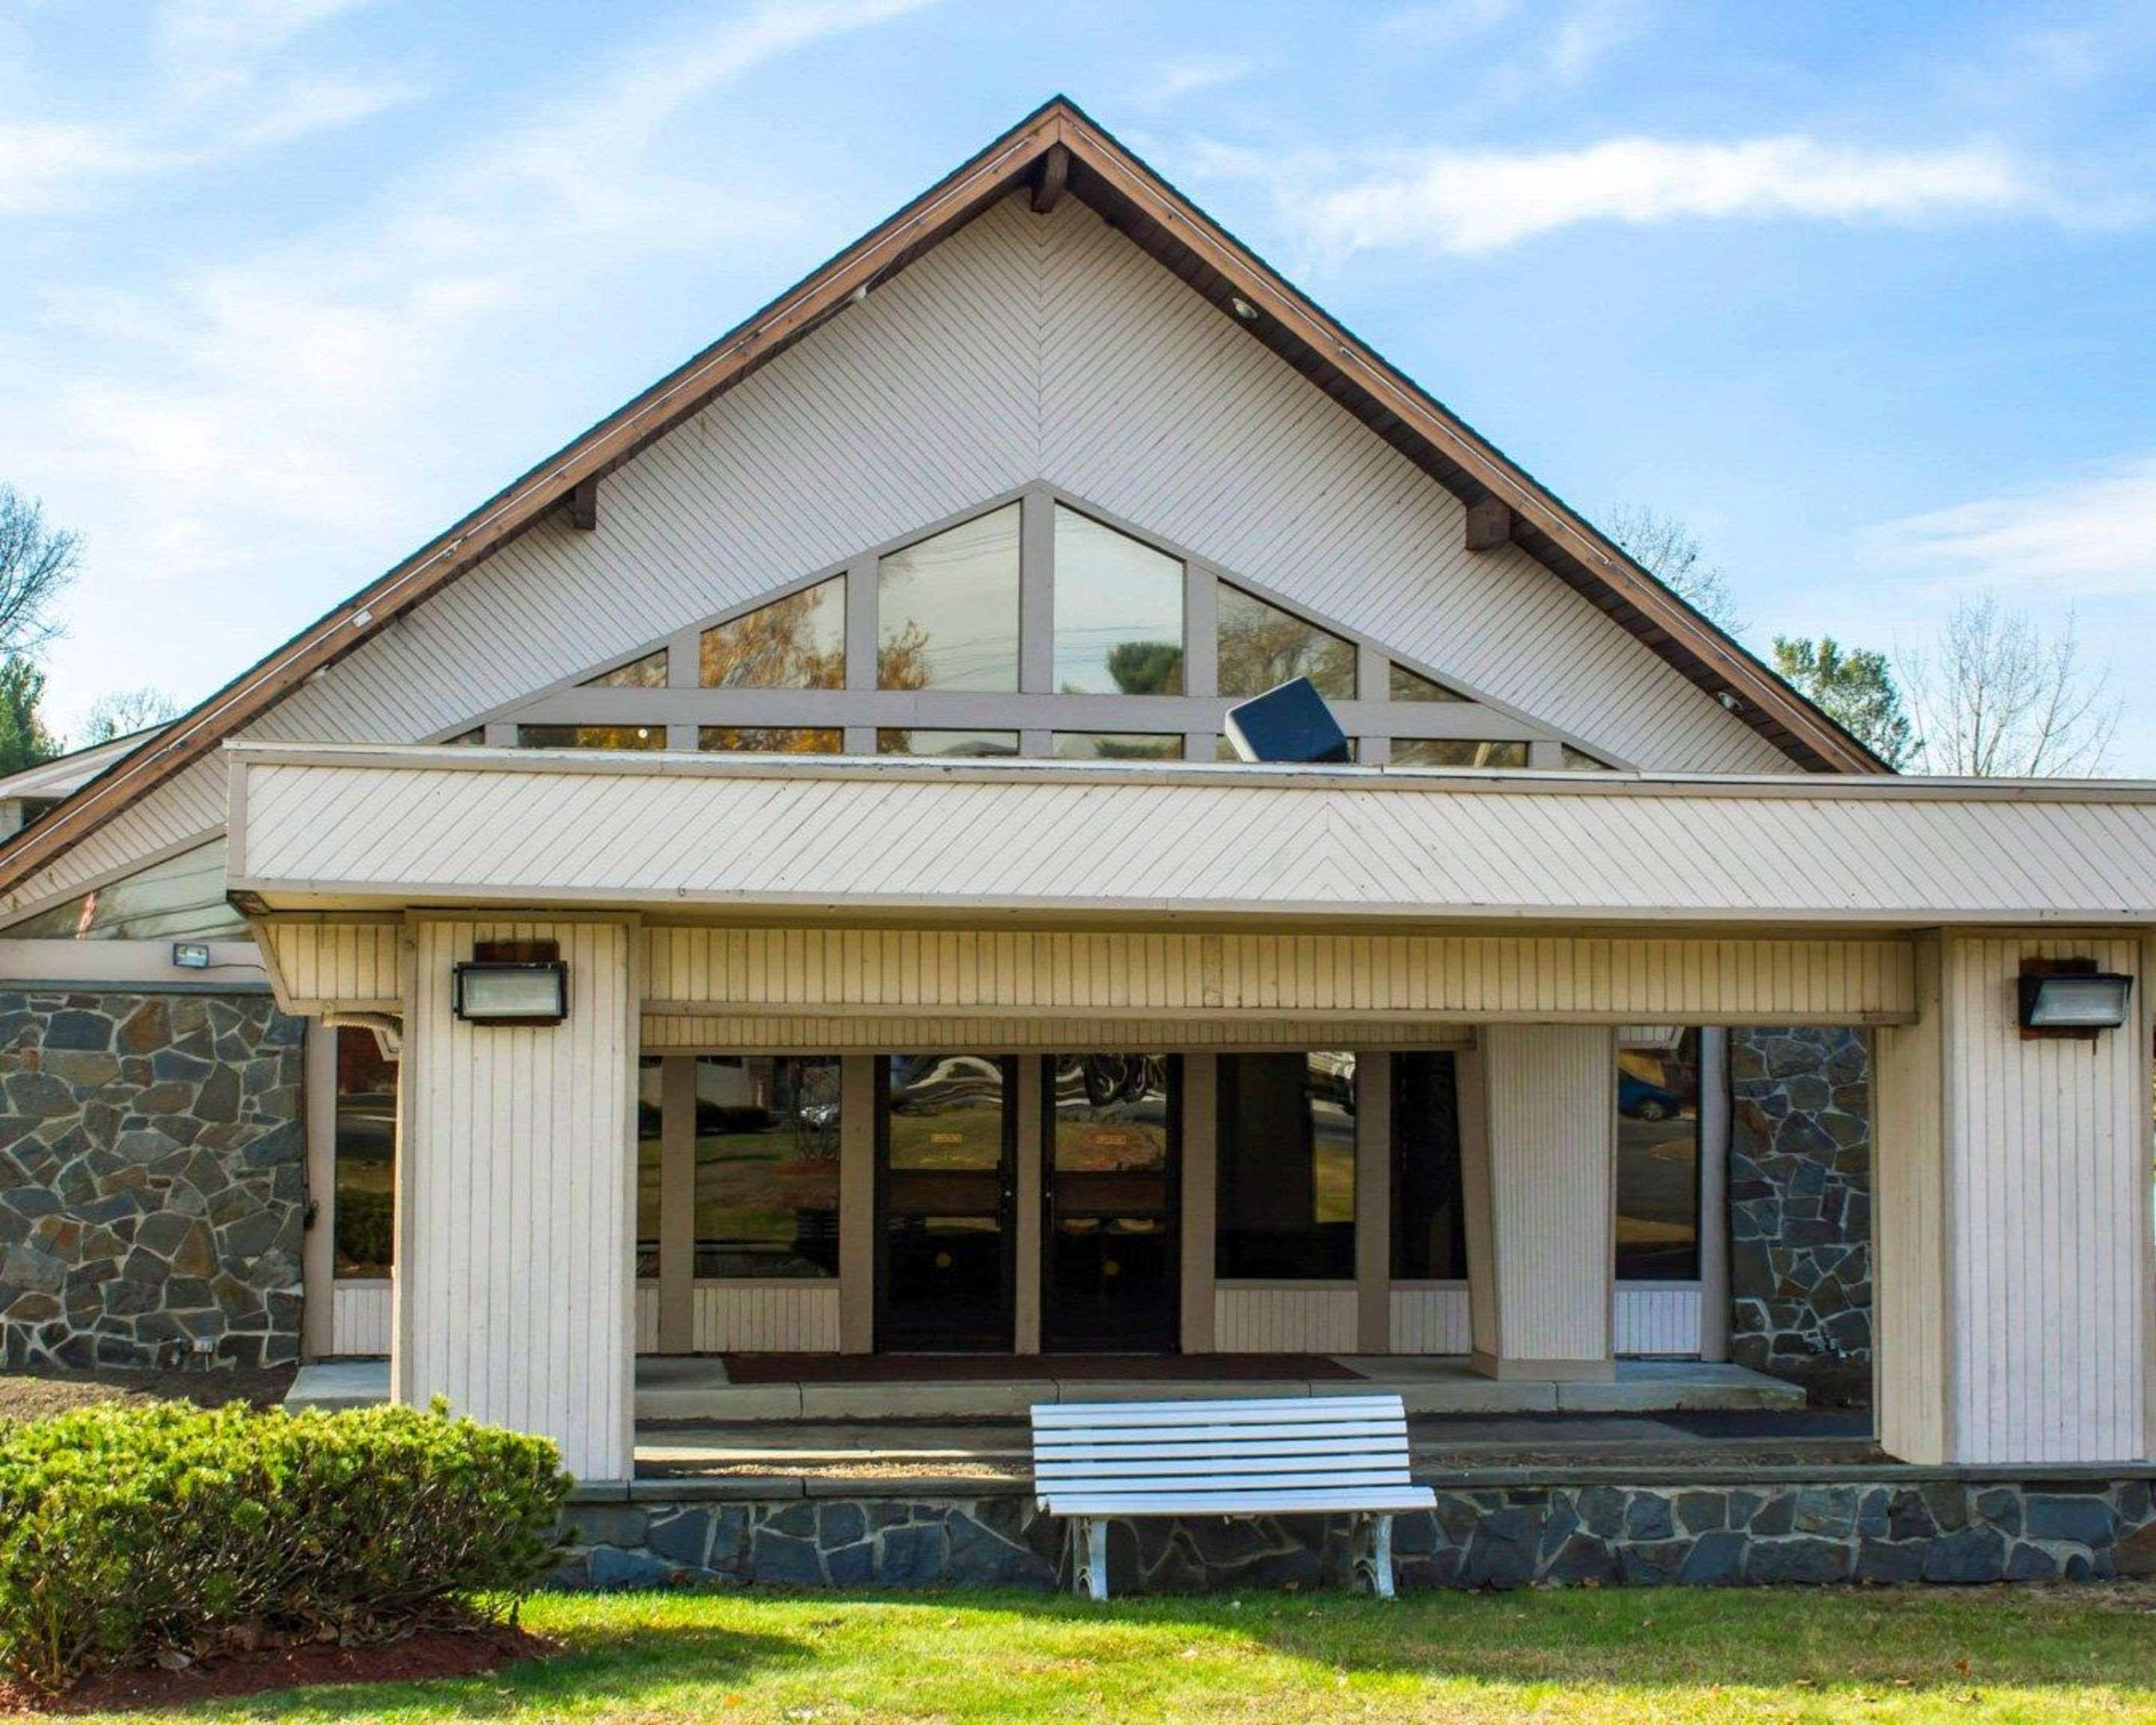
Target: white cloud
1178	78
1468	200
2092	533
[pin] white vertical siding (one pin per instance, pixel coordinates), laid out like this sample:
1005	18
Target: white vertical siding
1431	1320
515	1198
1552	1127
1316	1319
2048	1167
1654	1318
1910	1105
359	1317
764	1317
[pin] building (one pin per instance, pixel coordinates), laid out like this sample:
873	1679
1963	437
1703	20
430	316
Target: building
839	724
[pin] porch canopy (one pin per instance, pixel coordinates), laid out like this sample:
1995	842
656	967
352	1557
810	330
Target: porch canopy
844	904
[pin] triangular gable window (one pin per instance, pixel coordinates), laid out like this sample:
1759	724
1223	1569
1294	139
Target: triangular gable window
1405	685
798	642
1262	646
648	672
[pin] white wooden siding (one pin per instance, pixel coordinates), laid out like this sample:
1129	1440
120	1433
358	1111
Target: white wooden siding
760	1033
1315	1318
1551	1111
1657	1318
1431	1320
2048	1172
766	1317
1023	348
346	964
359	1317
515	1198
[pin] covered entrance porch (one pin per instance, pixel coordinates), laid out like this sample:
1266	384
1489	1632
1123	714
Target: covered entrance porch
1511	932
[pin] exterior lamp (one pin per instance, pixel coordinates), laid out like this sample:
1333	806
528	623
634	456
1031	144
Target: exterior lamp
511	982
2071	997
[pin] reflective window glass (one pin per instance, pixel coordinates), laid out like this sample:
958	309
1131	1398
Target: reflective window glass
1429	1205
771	740
365	1156
1116	746
591	736
1287	1166
798	642
1657	1153
766	1166
1457	752
648	672
181	898
946	608
648	1138
1262	646
1118	612
1404	685
948	745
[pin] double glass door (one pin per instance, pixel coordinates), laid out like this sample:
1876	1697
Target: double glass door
1110	1238
945	1147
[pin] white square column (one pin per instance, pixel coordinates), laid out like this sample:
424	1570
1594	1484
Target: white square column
1538	1108
2012	1231
516	1196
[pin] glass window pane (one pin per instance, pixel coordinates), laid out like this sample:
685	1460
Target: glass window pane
771	740
766	1166
591	736
1657	1153
1224	750
1405	685
949	745
1262	646
1457	752
1579	761
1118	612
647	1069
1429	1205
1116	746
798	642
365	1156
181	898
1286	1146
946	608
473	738
648	672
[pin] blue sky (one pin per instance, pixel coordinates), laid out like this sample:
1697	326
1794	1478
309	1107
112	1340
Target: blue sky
1866	295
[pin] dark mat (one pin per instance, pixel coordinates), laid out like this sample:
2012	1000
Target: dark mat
1006	1367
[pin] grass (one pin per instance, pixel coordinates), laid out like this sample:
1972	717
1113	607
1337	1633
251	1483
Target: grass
2023	1655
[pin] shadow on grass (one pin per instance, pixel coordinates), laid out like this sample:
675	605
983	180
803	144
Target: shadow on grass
968	1654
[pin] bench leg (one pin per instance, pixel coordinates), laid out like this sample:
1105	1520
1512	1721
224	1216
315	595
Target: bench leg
1089	1560
1372	1545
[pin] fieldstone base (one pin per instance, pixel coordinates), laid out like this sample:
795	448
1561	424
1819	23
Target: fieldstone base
1934	1530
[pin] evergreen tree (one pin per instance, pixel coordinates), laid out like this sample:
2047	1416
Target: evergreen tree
1854	687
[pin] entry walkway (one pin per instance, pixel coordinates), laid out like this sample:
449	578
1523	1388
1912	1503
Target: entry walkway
700	1388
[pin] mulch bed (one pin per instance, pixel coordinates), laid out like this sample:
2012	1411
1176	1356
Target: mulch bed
36	1393
431	1653
1007	1367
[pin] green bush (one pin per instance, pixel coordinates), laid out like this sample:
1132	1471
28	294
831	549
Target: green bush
129	1533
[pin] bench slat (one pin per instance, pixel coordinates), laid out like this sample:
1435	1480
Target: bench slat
1056	1415
1389	1433
1235	1468
1397	1499
1184	1444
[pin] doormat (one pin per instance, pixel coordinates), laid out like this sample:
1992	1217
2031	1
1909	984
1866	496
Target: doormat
1005	1368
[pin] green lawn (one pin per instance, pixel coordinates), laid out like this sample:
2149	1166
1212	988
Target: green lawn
2027	1654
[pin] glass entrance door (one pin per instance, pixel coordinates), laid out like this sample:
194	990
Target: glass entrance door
945	1145
1110	1238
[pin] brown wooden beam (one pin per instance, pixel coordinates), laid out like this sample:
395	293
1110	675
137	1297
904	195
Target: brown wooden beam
583	505
1050	178
1488	524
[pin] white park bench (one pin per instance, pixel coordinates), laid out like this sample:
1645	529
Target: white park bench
1094	1462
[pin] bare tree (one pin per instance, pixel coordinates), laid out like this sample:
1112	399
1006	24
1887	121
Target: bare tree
36	563
1666	549
1997	696
124	712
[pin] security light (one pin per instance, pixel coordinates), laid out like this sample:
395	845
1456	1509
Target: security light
2071	997
511	982
191	955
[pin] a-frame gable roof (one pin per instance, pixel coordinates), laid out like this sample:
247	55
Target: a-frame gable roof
1056	151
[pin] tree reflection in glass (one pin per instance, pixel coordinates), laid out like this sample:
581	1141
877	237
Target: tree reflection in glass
946	608
1262	646
1118	612
798	642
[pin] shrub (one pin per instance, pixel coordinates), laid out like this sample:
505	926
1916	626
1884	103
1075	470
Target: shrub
129	1533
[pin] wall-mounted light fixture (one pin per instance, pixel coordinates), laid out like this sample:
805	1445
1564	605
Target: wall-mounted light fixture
191	955
2071	998
511	982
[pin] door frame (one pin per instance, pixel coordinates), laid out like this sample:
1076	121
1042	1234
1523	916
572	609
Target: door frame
1006	1342
1171	1340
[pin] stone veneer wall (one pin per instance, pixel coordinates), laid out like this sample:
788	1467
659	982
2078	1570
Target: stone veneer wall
1800	1208
1935	1529
152	1179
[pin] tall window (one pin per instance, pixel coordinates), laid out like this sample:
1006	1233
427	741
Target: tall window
1429	1206
766	1166
798	642
648	1139
1118	612
1657	1153
365	1156
946	608
1285	1207
1262	645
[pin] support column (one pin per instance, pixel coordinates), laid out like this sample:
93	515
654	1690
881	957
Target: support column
857	1217
1025	1098
1199	1150
1373	1202
1714	1193
516	1197
2012	1252
1541	1192
677	1204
